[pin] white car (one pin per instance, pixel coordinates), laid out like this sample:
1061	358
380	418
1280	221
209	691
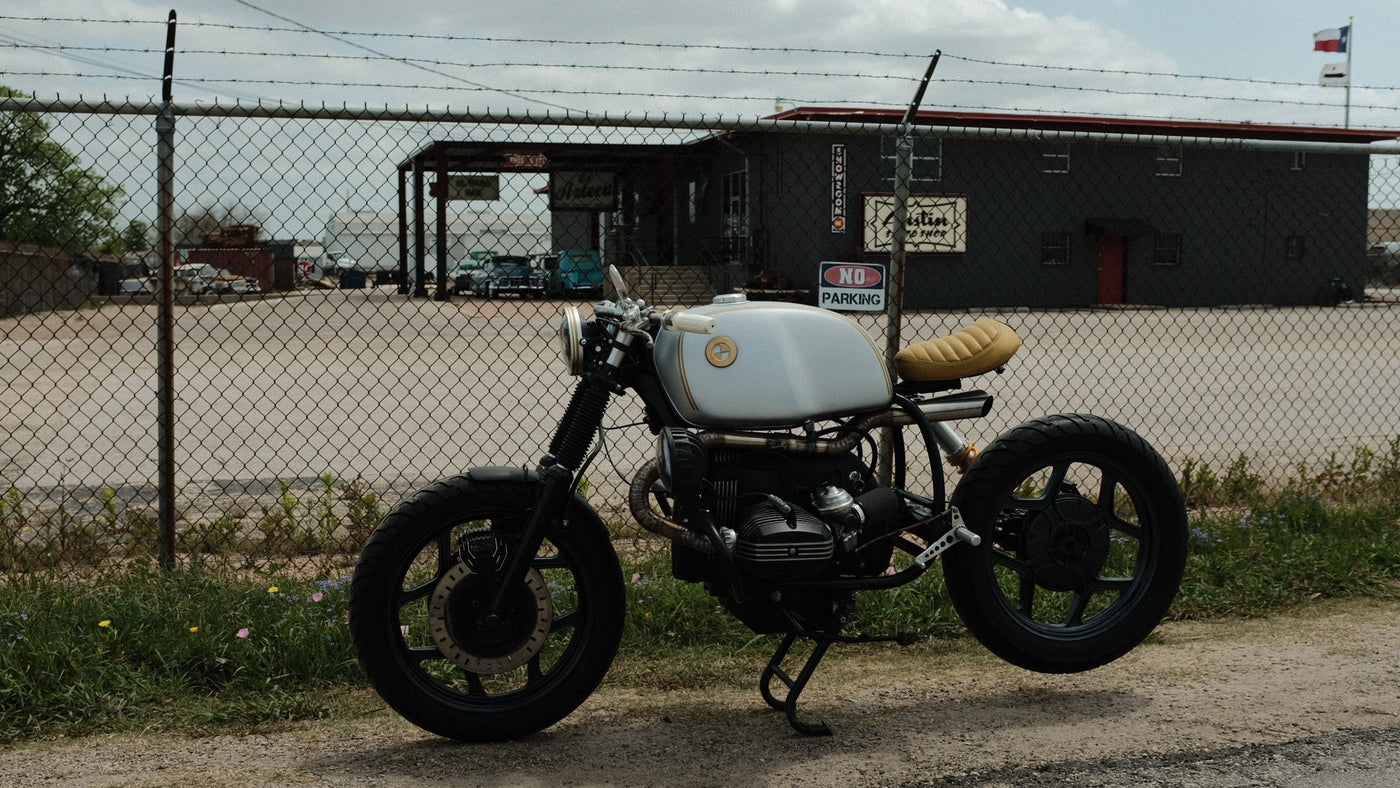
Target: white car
196	278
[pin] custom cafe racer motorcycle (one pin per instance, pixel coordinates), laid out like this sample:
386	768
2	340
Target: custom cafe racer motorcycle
490	605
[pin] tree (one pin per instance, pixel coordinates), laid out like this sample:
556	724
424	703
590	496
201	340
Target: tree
133	239
46	196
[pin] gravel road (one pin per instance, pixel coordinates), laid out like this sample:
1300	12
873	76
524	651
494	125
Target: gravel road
1310	699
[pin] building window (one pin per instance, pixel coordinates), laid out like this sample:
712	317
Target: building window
1166	249
1300	161
1054	248
1054	158
928	160
1295	247
692	201
1169	161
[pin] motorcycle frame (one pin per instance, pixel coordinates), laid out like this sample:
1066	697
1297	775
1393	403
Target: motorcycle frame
614	363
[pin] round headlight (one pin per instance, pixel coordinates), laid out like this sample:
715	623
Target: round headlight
571	339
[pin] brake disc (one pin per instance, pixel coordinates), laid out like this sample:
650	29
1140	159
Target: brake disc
460	626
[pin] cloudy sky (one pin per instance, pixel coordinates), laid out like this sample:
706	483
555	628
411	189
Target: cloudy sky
1237	60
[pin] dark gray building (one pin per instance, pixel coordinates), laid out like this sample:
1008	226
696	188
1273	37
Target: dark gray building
997	219
1006	210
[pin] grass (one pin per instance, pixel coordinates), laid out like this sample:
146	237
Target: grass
207	651
333	519
167	650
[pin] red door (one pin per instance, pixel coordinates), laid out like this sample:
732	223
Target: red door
1110	269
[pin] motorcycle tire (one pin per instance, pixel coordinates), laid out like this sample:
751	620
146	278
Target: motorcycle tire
1083	543
425	577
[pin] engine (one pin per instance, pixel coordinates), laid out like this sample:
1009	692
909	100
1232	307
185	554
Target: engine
778	541
784	515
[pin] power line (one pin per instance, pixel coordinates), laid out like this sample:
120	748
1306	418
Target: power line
492	39
15	40
335	37
500	64
339	35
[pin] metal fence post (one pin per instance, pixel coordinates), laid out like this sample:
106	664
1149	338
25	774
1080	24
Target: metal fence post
894	291
165	322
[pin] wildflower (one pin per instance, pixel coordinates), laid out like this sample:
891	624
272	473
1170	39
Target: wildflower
272	590
243	633
890	570
317	597
636	577
403	629
106	622
194	629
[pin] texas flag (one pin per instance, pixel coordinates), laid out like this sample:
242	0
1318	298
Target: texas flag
1331	40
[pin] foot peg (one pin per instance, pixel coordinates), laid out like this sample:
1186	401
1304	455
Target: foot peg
957	533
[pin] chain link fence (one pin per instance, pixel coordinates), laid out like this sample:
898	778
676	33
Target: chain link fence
341	332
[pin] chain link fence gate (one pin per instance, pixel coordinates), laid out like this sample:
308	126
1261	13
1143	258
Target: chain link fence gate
1225	302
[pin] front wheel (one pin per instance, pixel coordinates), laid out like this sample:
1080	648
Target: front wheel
420	596
1083	543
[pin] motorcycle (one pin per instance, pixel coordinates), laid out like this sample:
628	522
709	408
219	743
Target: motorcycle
490	605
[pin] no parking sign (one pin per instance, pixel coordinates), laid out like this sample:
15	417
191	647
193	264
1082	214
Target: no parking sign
852	287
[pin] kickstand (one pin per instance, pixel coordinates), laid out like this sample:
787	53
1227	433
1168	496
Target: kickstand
821	640
788	704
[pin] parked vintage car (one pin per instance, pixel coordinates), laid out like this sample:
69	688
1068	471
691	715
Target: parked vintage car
460	275
507	274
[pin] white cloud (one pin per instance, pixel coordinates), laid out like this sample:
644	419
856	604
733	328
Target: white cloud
752	52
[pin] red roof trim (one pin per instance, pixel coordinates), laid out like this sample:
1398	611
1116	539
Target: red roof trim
1092	124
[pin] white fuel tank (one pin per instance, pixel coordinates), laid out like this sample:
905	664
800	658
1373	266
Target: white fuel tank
770	364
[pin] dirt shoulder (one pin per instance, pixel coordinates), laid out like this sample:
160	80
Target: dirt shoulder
912	717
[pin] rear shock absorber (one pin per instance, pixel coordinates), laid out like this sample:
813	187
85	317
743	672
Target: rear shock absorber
958	450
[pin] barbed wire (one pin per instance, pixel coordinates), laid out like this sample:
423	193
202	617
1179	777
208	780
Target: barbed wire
702	96
82	54
1168	74
458	64
334	37
400	86
670	45
7	39
863	101
503	39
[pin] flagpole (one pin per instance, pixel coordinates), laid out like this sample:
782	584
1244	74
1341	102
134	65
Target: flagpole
1351	44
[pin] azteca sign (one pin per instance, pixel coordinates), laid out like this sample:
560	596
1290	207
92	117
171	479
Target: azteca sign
582	191
933	224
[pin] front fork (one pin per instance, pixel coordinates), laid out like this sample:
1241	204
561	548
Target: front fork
567	452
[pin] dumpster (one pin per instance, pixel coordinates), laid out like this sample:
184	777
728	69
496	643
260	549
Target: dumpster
350	279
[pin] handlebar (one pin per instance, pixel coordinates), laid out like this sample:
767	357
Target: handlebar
637	319
684	321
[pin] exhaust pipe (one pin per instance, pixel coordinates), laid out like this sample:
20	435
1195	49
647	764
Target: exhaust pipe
639	501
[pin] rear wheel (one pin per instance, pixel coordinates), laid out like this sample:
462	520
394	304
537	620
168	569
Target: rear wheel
420	597
1083	543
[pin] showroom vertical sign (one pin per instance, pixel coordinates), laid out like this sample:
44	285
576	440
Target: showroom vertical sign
838	188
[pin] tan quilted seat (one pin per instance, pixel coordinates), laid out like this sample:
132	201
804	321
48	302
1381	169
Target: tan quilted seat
973	350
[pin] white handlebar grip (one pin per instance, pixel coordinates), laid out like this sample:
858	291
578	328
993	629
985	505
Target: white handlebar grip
695	324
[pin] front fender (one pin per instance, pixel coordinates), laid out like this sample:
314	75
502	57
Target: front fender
580	510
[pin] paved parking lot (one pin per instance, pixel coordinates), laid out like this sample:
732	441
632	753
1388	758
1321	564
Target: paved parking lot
400	391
